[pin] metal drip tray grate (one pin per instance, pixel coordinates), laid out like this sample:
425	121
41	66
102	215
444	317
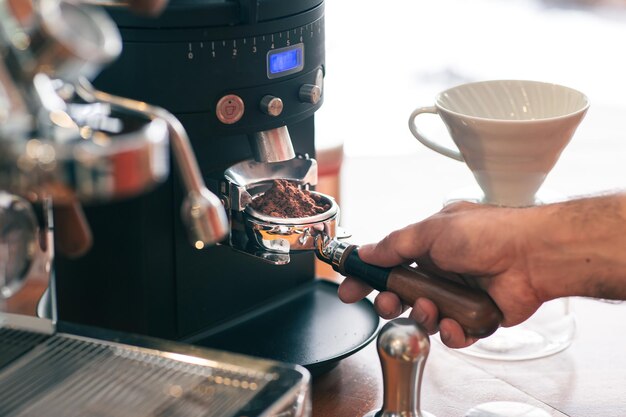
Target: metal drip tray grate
68	375
14	343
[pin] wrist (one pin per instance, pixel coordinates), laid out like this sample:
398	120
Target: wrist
578	248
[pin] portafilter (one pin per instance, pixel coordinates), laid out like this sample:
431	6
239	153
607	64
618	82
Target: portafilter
472	307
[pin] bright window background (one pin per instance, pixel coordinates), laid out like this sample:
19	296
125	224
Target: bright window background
386	58
383	61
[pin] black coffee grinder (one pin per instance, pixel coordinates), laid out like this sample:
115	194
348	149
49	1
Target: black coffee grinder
245	79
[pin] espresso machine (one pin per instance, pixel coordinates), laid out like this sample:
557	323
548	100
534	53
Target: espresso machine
245	79
66	145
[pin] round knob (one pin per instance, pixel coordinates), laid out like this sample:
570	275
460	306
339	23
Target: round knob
310	93
403	347
271	105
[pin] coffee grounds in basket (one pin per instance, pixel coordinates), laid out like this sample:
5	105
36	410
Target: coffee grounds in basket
284	199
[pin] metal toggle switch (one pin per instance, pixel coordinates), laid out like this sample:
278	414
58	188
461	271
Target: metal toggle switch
403	347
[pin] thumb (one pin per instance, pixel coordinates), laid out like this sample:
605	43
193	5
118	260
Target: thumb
398	247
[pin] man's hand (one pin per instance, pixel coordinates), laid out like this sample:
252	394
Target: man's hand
471	239
521	257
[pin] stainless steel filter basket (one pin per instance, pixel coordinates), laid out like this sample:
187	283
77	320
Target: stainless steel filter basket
283	235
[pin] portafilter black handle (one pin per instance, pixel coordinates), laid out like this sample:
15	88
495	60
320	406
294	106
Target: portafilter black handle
472	308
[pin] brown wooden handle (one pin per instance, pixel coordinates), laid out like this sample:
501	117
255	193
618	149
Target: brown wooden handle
72	233
472	308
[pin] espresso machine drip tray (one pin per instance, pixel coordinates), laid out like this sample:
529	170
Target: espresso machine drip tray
65	374
14	343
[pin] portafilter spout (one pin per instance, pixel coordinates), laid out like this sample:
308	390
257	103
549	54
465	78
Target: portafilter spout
202	211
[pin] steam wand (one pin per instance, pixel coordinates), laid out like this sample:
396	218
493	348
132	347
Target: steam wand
202	211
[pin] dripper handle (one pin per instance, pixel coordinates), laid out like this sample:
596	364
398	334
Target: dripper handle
444	150
472	308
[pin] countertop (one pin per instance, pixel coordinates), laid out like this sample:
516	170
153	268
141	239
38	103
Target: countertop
584	380
379	194
382	193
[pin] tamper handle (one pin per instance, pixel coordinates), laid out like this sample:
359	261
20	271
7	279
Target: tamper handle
472	308
403	348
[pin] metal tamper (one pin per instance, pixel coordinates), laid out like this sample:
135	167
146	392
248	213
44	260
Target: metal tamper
403	347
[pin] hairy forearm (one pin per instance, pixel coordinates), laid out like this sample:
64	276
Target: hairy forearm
578	248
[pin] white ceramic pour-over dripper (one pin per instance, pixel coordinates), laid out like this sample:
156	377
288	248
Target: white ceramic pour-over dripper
510	133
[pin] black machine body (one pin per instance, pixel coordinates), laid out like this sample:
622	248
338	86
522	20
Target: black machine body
217	66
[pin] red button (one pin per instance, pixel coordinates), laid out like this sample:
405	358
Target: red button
230	109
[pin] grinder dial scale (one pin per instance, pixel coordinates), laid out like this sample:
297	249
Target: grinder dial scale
244	78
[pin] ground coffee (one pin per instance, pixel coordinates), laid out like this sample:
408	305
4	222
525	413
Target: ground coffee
284	199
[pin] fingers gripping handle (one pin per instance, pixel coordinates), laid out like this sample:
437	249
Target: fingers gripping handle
450	153
473	309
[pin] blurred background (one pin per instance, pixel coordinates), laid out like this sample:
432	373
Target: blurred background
382	62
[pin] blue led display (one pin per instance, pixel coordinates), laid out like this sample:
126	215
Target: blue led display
285	61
